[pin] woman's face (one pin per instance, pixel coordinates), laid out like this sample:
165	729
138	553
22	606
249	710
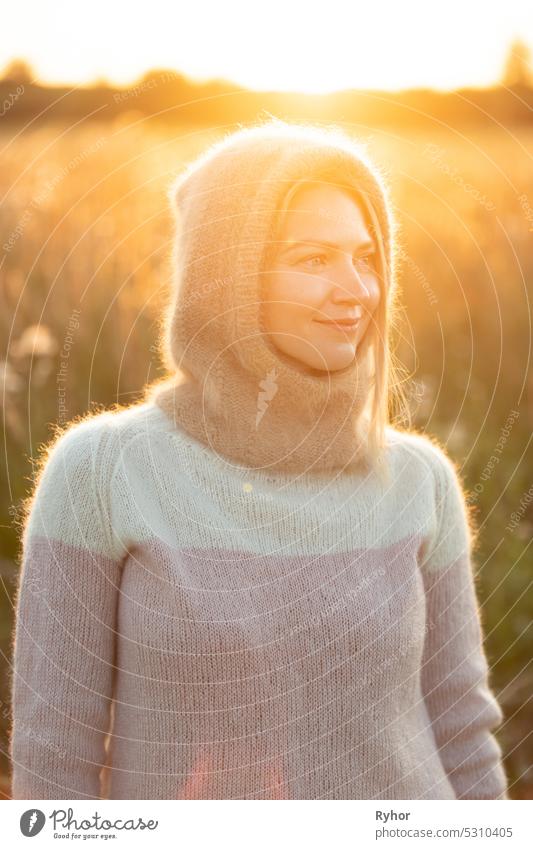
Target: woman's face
310	285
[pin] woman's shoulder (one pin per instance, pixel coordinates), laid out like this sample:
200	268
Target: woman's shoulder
94	441
73	472
424	448
119	422
446	494
128	422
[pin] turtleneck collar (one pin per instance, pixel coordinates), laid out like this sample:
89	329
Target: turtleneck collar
272	415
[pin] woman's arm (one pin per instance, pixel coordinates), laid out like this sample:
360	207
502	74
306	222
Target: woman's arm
65	623
461	705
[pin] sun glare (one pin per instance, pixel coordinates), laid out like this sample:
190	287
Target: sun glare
310	48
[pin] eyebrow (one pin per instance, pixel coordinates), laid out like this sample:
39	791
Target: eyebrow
369	243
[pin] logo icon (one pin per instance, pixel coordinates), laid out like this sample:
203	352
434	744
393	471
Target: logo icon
269	388
32	822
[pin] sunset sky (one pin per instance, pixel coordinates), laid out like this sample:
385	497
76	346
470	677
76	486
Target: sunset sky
299	46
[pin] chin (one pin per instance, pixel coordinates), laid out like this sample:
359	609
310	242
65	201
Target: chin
336	363
328	362
328	367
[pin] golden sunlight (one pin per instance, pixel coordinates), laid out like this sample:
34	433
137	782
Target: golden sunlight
302	47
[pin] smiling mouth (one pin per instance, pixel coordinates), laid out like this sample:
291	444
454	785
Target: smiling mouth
345	326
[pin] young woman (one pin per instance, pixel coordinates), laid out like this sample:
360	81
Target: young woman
251	585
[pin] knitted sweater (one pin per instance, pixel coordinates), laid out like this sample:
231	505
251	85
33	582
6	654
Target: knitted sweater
209	631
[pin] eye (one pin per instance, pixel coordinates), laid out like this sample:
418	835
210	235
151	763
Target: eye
367	260
311	257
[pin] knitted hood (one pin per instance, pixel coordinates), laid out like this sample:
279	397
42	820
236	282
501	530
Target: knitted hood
231	388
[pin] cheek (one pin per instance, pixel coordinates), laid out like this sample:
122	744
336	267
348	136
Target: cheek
370	318
374	287
295	290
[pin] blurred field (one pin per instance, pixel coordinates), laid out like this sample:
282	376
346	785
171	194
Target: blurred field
85	240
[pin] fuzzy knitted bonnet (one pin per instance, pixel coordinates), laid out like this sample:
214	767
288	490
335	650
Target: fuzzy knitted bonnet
231	388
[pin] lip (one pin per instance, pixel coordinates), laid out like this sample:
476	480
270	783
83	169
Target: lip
345	325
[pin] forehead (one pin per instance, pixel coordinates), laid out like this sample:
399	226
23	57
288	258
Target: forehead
329	209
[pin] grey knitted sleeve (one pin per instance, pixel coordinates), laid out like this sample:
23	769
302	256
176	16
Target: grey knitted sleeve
462	708
65	624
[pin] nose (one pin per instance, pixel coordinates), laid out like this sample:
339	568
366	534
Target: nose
351	288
